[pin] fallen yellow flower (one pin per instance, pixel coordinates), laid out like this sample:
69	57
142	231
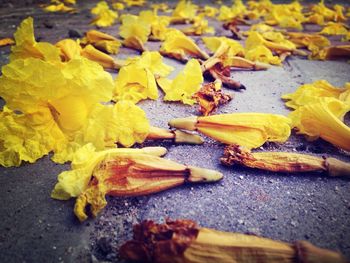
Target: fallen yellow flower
234	48
6	41
286	15
104	15
134	31
310	93
333	28
262	54
183	241
60	7
286	162
334	52
226	13
135	83
100	57
103	41
184	12
320	13
313	42
70	49
72	183
118	6
177	45
199	27
323	118
208	11
27	85
27	47
124	173
185	84
159	24
250	130
153	61
134	2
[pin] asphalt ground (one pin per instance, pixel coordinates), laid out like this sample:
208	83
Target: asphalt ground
288	207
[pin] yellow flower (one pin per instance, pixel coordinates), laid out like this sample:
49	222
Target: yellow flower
179	46
153	61
261	28
134	2
334	29
209	11
310	93
70	49
134	31
184	10
72	183
262	54
286	15
27	86
104	15
118	6
328	14
185	84
159	24
250	130
103	41
135	83
226	13
312	42
26	46
214	43
61	7
199	27
323	118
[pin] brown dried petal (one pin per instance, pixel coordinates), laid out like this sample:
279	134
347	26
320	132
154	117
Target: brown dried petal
209	99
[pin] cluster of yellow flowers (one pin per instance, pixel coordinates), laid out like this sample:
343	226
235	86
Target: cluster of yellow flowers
60	98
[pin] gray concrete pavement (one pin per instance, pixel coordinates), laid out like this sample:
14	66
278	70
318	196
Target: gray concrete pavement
289	207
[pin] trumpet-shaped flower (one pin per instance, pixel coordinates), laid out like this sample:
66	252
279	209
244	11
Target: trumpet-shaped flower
185	84
334	29
262	54
323	118
250	130
153	61
159	24
310	93
104	15
238	9
177	45
103	41
214	43
200	26
134	31
185	10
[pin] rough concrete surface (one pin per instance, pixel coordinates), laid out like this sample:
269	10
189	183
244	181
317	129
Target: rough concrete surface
288	207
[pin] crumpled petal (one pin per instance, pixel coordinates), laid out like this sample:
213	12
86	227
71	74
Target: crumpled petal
310	93
70	49
184	11
135	83
26	46
262	54
104	15
153	61
177	45
103	41
185	84
133	27
6	41
323	118
199	27
333	28
214	43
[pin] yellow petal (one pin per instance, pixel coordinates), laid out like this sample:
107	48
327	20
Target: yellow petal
334	29
104	15
26	46
250	130
70	49
323	118
132	26
310	93
135	83
185	84
179	46
6	41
